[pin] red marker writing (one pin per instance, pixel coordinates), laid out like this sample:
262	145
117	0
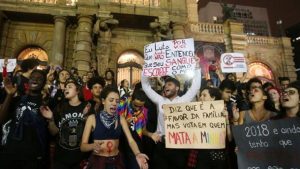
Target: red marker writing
109	146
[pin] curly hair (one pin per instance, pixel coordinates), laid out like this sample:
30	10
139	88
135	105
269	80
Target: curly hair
96	80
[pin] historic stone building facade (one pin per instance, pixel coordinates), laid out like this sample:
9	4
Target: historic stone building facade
99	32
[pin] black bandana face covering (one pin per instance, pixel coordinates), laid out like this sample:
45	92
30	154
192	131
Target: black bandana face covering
107	119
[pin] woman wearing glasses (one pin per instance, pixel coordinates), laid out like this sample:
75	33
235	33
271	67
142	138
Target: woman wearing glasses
290	101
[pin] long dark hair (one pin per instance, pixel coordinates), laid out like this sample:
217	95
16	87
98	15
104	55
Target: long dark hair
268	104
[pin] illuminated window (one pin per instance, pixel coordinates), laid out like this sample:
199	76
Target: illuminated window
153	3
34	52
42	1
71	2
130	67
258	69
68	2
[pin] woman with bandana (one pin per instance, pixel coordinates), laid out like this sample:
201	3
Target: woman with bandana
106	128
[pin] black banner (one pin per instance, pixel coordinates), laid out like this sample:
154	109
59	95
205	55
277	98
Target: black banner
268	145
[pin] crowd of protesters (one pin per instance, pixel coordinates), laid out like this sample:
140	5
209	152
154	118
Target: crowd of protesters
55	119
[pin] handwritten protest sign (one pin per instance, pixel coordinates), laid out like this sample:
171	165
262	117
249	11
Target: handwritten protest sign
10	66
269	145
195	125
169	57
233	62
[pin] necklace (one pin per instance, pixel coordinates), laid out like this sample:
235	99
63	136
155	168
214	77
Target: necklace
107	119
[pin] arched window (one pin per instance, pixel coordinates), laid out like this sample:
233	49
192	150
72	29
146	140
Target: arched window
130	67
34	52
261	70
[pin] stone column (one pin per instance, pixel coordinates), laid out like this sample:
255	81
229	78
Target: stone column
104	51
227	37
61	2
235	39
192	10
83	44
59	39
1	19
164	4
178	31
289	69
103	28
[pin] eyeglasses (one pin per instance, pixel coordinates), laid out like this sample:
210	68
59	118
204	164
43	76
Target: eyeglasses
288	92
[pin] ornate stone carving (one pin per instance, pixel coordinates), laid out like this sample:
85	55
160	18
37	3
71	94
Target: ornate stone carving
227	11
103	32
161	31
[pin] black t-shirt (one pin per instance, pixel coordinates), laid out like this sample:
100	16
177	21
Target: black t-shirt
24	134
71	121
58	98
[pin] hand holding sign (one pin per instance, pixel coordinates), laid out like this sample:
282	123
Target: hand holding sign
235	112
5	61
197	60
10	64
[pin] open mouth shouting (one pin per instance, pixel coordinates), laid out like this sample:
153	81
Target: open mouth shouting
167	91
251	96
285	99
66	93
113	109
34	84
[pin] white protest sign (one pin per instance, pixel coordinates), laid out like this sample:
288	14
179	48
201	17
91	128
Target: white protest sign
169	58
195	125
12	63
233	62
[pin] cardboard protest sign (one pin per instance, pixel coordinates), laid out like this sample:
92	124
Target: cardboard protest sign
233	62
169	57
195	125
12	63
270	145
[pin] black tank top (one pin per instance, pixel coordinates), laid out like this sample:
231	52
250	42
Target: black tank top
103	133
